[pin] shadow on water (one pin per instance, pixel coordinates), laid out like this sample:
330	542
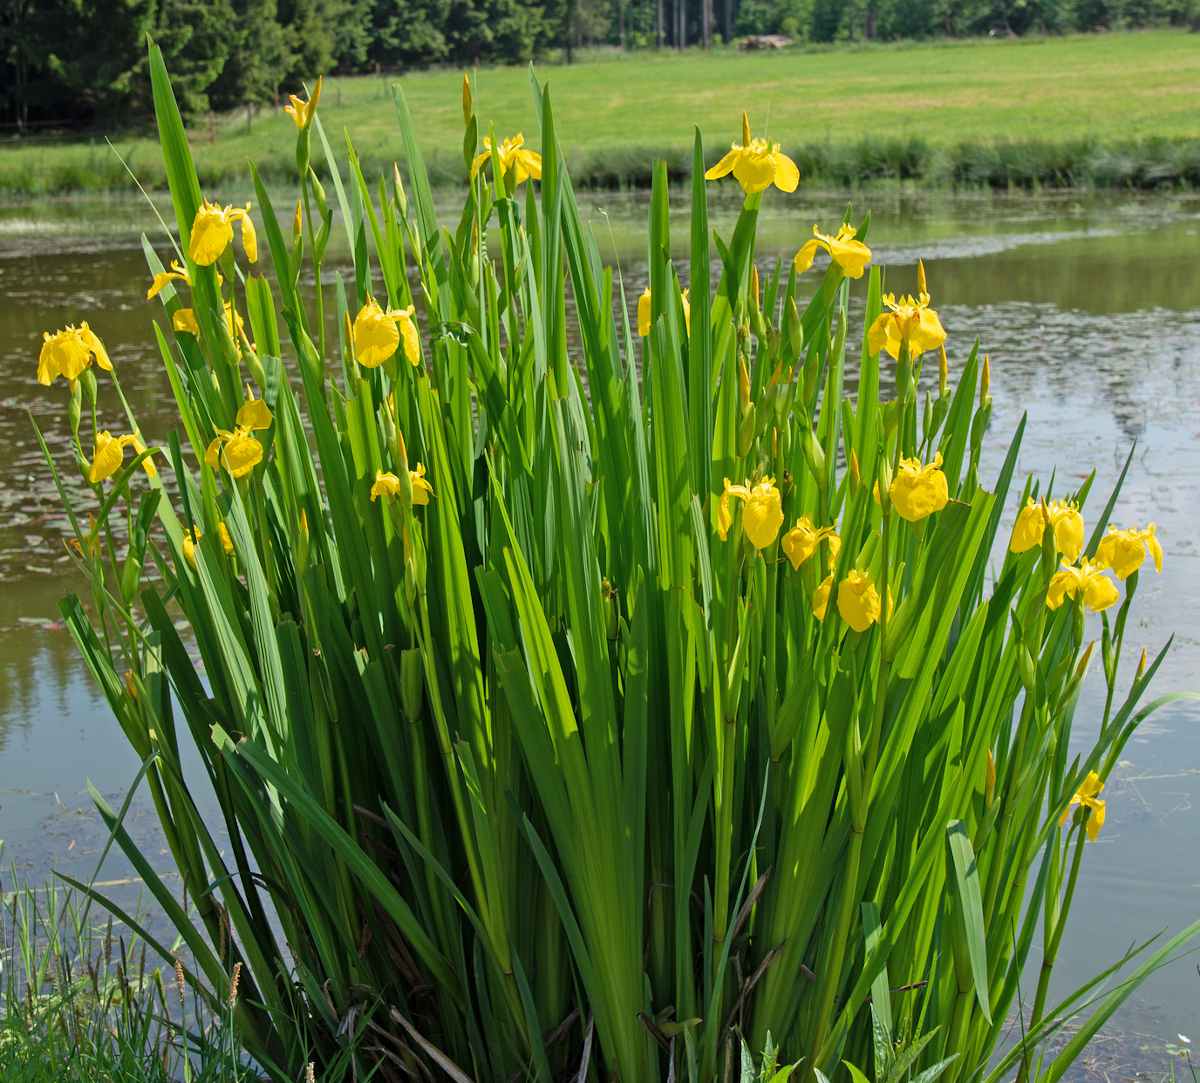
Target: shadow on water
1090	310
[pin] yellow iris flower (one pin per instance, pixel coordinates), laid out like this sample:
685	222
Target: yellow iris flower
109	454
756	164
801	542
389	485
1061	516
858	601
377	334
1086	581
177	273
908	321
850	255
1125	550
191	539
301	111
239	451
184	319
1086	797
212	233
643	312
69	352
762	516
918	491
820	599
515	158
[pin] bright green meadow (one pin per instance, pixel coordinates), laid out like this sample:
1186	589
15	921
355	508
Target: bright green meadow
1114	110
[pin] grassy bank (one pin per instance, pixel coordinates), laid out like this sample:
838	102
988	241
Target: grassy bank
1116	110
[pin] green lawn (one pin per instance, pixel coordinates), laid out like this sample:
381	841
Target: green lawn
922	106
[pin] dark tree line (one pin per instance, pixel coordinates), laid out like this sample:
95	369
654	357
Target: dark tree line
70	63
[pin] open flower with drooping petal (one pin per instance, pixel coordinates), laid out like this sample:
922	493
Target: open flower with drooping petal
389	485
1086	581
756	164
1061	516
239	451
918	491
907	321
301	111
212	233
68	352
1087	798
177	273
762	514
644	309
850	255
858	601
109	454
1124	551
378	333
515	159
801	542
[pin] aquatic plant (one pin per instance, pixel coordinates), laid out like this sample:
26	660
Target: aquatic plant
574	697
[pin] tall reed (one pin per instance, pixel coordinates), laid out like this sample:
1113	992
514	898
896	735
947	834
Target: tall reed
582	689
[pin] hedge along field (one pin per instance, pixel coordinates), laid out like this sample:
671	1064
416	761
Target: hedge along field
1115	110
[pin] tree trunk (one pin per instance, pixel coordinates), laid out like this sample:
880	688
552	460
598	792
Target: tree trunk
706	14
728	21
681	24
621	22
658	24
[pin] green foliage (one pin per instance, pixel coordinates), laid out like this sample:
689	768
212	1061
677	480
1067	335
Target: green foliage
83	1000
73	62
259	56
566	764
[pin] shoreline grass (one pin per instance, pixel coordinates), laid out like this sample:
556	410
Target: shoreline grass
1103	111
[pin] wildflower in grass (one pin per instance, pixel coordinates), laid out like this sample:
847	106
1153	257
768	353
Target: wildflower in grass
301	111
756	164
191	539
239	451
109	454
378	333
909	322
177	273
643	312
918	491
1124	550
762	516
1086	581
389	485
1086	798
516	159
212	233
820	600
850	255
1061	516
858	601
801	542
69	352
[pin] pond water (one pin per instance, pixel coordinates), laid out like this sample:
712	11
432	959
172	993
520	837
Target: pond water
1090	310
